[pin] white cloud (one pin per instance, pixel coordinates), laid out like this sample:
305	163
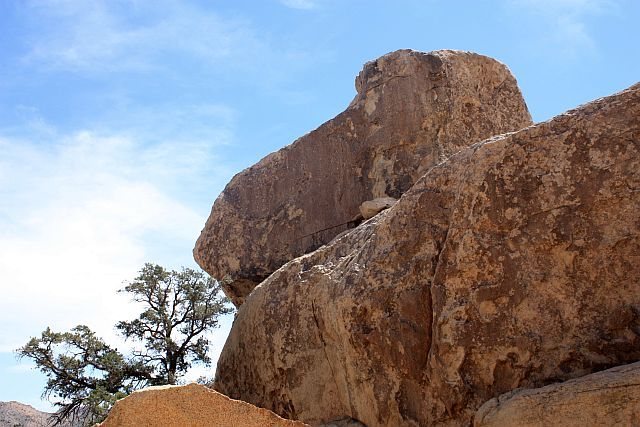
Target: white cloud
162	39
80	35
80	214
300	4
564	22
104	36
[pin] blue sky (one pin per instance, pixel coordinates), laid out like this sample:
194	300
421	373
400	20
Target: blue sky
121	121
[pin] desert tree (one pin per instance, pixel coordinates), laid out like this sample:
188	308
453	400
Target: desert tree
86	376
179	308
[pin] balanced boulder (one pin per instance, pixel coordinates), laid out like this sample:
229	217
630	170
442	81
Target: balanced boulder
412	111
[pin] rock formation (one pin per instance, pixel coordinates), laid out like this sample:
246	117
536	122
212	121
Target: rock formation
608	398
412	111
514	263
191	405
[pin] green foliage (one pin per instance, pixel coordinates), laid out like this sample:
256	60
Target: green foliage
180	306
86	376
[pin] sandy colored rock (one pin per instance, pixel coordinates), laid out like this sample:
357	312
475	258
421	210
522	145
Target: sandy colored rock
515	263
371	208
192	405
607	398
412	111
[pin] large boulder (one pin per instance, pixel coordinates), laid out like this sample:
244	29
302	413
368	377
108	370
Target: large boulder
190	405
515	263
607	398
412	111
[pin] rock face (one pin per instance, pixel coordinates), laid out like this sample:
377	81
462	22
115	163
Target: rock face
412	111
515	263
608	398
191	405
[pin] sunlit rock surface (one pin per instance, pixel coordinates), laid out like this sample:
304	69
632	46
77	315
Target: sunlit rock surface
412	111
514	263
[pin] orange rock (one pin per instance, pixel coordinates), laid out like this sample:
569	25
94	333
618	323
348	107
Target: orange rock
191	405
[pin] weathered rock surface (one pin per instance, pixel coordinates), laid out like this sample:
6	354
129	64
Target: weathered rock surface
412	111
607	398
515	263
191	405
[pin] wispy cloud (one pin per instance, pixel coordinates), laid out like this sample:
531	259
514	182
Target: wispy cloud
87	197
165	39
564	23
300	4
80	213
97	35
82	207
106	36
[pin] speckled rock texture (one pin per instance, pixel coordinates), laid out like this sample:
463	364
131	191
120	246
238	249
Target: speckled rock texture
607	398
192	405
515	263
412	111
